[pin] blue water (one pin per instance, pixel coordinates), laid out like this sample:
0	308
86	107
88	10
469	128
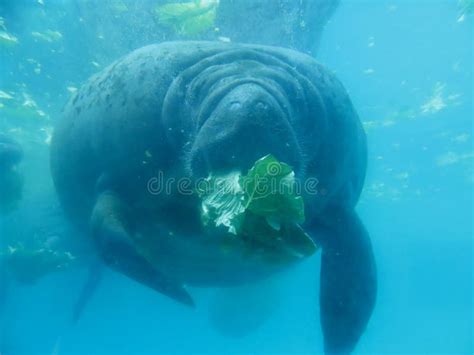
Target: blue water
408	67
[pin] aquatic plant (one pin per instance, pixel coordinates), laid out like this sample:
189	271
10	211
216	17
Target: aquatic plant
48	35
7	39
189	18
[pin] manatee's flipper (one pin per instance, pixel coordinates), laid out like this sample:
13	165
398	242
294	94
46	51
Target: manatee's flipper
94	278
111	231
348	280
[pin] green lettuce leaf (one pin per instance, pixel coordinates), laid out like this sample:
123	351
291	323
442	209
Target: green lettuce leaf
263	208
270	190
223	202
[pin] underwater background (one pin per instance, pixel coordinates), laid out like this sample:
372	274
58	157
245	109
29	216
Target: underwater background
408	67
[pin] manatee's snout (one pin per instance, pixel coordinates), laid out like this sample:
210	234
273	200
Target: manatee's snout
247	124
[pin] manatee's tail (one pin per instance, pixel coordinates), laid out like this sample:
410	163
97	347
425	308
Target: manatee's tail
348	281
94	278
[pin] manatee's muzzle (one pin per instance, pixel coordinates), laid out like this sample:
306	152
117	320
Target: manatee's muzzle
246	124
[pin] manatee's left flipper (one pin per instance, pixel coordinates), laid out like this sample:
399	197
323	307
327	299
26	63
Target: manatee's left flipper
111	231
348	279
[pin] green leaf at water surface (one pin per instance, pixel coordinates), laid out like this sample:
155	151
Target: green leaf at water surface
188	18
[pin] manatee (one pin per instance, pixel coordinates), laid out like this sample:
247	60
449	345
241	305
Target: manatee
186	109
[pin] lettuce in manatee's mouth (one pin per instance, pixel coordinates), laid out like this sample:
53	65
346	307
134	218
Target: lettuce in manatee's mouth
262	207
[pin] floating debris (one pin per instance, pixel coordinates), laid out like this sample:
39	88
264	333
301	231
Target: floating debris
369	71
118	7
6	96
454	99
48	131
7	39
224	39
377	124
29	102
371	42
71	89
188	18
462	138
439	101
20	108
48	36
451	158
402	176
436	102
95	64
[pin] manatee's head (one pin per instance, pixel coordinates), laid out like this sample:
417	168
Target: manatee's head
243	125
11	182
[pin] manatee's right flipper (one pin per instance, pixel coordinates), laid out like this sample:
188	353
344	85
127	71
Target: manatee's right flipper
348	280
110	229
